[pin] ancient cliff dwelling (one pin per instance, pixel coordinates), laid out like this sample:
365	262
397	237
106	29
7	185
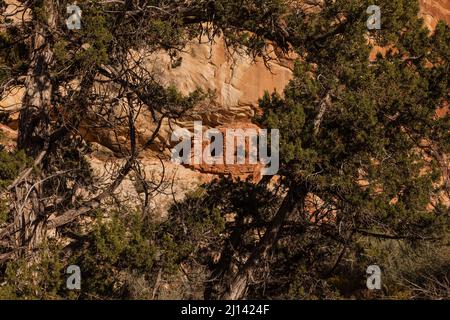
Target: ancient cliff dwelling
345	101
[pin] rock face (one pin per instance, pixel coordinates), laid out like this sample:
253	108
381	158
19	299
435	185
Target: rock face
237	80
434	10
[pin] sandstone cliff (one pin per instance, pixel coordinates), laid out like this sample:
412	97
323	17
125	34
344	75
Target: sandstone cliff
238	83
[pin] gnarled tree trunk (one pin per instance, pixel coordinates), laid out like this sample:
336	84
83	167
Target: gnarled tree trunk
236	284
34	130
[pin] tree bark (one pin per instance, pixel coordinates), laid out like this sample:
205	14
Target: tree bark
34	131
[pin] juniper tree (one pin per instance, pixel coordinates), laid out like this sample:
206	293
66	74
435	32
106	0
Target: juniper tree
362	148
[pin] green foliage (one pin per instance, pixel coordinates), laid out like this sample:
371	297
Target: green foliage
13	55
121	244
10	166
411	270
96	39
378	113
35	280
3	211
192	227
352	133
118	249
249	16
